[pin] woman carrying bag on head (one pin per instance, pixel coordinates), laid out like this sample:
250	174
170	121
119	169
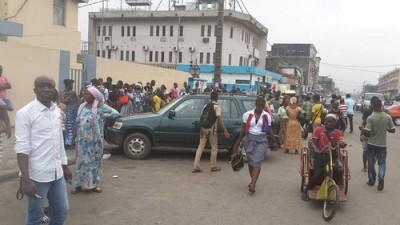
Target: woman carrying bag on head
256	126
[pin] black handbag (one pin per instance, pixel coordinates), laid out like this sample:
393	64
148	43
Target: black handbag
237	161
300	117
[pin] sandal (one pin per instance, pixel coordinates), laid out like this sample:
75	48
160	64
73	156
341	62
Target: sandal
215	169
252	189
76	190
97	190
197	170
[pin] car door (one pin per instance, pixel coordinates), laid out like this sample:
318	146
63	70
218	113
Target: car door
232	118
182	128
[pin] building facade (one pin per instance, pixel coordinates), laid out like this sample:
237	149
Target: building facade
182	37
389	84
301	55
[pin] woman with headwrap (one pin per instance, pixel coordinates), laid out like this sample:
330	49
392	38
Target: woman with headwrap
293	129
90	141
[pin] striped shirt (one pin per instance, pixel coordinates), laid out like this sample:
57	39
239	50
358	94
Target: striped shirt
343	110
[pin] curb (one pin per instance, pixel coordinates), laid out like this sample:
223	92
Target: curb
13	175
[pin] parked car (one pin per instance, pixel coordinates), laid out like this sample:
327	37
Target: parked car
177	125
394	112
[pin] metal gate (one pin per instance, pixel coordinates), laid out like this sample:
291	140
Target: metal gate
77	76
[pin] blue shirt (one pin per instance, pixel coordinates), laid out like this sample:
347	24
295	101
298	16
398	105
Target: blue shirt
350	106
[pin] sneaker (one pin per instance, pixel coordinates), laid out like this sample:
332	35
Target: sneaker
304	196
370	183
380	185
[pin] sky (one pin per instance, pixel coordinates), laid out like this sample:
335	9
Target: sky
357	40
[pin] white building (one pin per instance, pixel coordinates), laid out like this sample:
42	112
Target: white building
173	39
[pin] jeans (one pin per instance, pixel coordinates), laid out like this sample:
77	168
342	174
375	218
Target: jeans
350	117
56	193
376	153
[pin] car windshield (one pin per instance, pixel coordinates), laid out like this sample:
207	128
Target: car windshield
368	96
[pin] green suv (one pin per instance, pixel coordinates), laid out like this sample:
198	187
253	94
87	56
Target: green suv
177	125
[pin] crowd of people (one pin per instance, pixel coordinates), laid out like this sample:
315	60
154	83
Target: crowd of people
53	122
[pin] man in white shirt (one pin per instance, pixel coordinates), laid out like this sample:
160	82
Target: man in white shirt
350	110
41	155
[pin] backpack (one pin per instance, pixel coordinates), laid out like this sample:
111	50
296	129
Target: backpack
208	116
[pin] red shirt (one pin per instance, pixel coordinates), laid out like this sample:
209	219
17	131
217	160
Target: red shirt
322	139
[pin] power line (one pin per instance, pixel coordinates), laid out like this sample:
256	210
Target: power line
360	66
344	68
42	35
19	10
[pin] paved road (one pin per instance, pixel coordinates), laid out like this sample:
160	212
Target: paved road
161	190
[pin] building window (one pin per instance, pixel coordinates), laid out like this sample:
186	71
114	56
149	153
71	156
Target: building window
242	81
103	53
170	57
121	55
202	31
134	31
98	30
242	35
110	31
128	31
209	31
213	59
133	56
171	31
201	57
241	61
180	30
104	31
122	31
215	30
156	56
230	59
162	56
208	58
163	31
98	53
151	56
59	12
180	57
157	31
109	54
127	55
151	31
231	34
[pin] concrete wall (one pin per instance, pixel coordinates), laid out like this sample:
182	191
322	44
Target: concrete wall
38	27
130	72
21	65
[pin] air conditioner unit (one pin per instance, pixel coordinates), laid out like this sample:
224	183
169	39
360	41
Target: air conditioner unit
113	47
175	49
191	49
145	48
107	47
206	40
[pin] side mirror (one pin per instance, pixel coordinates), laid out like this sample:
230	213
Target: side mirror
171	114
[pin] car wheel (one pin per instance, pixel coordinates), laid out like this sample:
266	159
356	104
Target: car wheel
137	146
397	121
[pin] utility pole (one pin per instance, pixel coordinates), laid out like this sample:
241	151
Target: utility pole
218	43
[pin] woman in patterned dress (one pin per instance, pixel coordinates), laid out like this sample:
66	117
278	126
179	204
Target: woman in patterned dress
70	99
90	141
293	132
